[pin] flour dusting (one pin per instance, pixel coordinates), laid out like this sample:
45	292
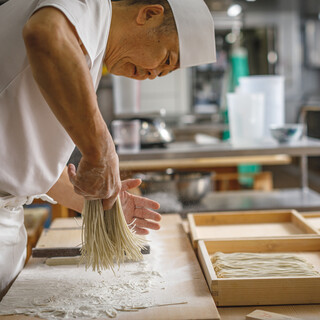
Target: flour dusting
66	292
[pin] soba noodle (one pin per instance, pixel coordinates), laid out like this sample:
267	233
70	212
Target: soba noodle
106	238
255	265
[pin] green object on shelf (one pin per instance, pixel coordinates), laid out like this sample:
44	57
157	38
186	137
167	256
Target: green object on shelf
226	132
239	65
246	180
240	68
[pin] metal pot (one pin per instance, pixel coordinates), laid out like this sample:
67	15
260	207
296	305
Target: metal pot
154	132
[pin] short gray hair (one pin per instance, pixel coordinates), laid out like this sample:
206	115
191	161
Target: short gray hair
168	24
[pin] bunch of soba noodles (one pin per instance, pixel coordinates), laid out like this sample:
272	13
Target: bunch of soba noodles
106	238
261	265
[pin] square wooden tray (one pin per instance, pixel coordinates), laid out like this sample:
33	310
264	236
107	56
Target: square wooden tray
313	219
262	291
239	224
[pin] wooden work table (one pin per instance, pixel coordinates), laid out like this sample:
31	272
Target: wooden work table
173	255
303	312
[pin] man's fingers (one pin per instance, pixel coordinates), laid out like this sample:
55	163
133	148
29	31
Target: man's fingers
145	202
84	193
72	172
142	223
144	213
79	191
108	203
130	184
141	231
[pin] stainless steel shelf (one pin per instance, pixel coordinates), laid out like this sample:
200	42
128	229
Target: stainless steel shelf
299	199
184	150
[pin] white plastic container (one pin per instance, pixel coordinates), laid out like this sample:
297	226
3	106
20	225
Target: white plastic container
126	95
273	89
246	118
126	135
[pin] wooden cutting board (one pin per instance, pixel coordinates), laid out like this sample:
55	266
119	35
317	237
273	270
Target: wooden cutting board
63	239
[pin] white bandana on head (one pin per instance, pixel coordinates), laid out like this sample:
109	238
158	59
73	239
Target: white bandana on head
195	31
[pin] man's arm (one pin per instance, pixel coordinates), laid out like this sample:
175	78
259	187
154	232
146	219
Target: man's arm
64	194
136	209
60	70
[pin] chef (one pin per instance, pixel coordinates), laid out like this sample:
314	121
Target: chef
52	53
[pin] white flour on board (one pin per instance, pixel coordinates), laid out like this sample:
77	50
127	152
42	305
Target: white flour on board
66	292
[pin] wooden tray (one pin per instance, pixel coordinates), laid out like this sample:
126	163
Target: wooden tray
313	219
262	291
239	224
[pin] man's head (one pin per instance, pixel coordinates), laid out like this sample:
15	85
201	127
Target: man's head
146	37
143	41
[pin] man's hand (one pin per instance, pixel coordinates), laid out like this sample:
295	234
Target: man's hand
138	209
97	180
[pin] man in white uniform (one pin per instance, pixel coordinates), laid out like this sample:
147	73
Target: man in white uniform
51	59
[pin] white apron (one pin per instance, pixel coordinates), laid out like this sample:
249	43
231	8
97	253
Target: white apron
13	236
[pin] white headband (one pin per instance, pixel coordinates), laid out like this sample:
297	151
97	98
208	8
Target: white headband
195	31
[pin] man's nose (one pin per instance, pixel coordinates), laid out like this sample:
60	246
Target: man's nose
153	73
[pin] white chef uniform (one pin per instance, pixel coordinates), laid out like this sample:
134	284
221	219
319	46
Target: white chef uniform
34	147
13	235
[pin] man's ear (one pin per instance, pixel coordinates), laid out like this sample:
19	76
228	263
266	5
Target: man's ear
148	12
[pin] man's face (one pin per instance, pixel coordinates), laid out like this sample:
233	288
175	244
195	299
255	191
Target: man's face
146	57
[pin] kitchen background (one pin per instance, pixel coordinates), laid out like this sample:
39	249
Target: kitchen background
276	37
280	38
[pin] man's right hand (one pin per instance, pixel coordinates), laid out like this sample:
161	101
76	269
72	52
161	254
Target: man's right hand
99	180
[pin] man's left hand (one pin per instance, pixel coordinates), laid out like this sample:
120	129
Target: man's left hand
139	209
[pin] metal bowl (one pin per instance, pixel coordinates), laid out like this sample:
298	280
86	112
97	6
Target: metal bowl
153	182
287	132
188	187
192	187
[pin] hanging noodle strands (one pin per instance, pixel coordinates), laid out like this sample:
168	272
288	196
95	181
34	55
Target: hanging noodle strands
261	265
106	237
